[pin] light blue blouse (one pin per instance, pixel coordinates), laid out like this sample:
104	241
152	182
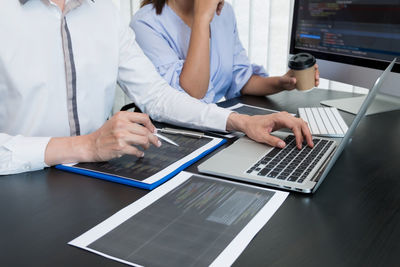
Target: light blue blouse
165	40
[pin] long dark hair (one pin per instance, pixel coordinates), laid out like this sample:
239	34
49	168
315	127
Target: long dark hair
157	4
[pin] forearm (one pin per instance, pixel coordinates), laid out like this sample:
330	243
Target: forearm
62	150
261	86
195	75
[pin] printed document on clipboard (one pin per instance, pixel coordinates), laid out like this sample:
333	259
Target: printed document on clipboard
157	166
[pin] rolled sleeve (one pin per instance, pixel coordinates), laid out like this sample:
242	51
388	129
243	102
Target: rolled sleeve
154	45
157	48
144	85
171	73
21	154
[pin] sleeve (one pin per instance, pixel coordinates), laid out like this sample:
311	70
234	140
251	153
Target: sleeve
21	154
242	68
141	82
158	49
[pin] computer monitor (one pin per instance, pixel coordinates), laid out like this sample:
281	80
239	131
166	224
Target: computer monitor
353	41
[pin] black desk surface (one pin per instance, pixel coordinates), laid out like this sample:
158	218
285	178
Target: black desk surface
352	220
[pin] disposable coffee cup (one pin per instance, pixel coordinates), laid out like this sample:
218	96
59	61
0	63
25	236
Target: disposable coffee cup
302	65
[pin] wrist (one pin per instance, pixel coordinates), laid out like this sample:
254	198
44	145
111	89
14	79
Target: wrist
276	84
81	149
237	122
61	150
201	20
85	147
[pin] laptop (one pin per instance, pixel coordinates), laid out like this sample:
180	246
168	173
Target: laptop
288	168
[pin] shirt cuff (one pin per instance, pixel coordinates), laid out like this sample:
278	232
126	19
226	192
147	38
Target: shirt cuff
219	119
28	151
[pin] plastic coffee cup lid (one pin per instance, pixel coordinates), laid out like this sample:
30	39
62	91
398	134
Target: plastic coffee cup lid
302	61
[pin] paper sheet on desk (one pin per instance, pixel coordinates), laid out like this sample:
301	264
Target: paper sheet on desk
252	110
189	220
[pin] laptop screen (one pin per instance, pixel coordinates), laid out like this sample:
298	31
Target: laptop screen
363	109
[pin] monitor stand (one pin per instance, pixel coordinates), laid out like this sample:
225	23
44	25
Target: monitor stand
382	103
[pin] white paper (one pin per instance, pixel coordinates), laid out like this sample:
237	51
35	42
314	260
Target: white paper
229	254
255	107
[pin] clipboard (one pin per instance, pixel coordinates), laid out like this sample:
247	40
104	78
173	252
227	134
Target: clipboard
158	165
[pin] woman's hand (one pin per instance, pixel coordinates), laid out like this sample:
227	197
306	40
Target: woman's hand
288	81
262	86
205	9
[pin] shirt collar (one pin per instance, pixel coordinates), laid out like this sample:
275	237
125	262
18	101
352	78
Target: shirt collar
23	2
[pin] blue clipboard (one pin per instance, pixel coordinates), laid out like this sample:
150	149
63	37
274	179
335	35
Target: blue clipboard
139	184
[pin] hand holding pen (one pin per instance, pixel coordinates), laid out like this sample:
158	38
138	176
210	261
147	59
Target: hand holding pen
119	136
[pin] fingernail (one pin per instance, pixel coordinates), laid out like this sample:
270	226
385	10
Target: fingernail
155	131
281	144
159	143
142	155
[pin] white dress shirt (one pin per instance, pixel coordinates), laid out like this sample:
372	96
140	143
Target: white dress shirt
33	81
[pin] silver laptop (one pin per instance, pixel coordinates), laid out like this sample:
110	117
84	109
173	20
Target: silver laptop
289	168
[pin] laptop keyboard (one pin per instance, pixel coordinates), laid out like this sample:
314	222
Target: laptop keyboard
290	163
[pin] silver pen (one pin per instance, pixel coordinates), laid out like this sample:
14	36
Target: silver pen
181	132
166	139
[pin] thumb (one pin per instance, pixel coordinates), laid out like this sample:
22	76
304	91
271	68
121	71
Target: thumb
288	80
288	83
274	141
